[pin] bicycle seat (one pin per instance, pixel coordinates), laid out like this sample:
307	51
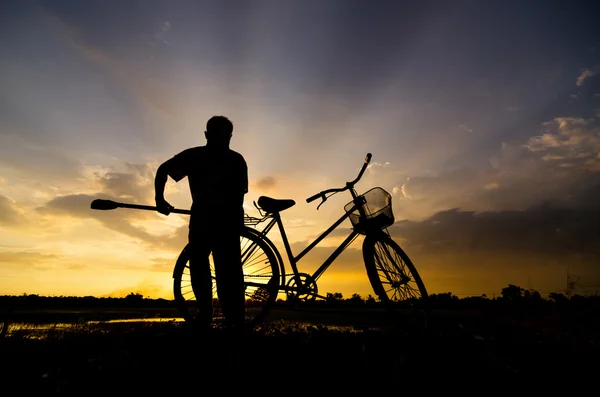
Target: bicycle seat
272	205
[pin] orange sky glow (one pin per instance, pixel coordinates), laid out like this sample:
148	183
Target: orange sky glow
487	139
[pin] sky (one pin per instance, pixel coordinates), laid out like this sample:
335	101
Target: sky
483	119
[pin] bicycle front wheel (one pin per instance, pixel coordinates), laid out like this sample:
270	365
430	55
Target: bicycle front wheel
261	283
393	276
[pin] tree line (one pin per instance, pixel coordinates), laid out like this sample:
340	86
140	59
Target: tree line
512	295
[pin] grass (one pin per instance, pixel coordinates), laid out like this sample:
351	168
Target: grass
133	357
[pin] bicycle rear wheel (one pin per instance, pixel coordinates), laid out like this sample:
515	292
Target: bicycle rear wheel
393	276
261	283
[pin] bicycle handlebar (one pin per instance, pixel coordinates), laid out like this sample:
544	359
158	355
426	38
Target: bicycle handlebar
362	170
313	198
349	185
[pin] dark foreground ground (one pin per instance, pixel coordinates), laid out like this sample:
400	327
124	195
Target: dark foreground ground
451	350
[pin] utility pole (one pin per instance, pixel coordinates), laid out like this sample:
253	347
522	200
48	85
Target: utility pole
570	284
568	288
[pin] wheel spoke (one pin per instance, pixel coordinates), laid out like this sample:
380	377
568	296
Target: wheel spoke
392	273
259	264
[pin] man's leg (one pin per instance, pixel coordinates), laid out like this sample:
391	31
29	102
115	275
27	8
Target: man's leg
230	276
200	275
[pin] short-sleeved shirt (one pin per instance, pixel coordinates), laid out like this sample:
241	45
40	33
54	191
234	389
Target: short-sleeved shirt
218	179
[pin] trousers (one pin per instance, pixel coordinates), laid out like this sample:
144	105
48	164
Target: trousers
221	238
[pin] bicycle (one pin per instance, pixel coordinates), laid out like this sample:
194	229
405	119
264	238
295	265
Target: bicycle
265	274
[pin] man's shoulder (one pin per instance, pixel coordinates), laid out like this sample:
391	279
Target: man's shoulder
191	152
200	152
236	155
195	149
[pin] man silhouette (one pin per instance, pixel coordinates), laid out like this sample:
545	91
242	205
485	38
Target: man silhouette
218	180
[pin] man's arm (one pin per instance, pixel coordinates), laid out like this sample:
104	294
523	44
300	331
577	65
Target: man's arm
245	177
160	180
244	181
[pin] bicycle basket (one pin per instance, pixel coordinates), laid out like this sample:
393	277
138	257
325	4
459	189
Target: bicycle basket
378	209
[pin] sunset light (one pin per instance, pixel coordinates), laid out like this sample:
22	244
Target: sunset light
483	122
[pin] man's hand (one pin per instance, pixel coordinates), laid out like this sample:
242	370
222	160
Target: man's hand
163	206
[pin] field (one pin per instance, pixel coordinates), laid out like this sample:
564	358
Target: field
489	342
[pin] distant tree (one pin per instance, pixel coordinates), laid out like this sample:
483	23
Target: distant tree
557	297
474	302
579	298
512	292
356	299
446	296
444	299
532	295
334	297
371	299
134	297
260	295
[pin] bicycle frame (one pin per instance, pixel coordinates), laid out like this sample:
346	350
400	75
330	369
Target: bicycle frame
358	202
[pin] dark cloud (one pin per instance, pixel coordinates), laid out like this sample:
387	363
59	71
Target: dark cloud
136	185
542	231
266	183
177	241
559	166
119	184
78	206
119	220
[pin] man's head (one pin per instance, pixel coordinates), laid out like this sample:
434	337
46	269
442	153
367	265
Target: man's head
218	131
